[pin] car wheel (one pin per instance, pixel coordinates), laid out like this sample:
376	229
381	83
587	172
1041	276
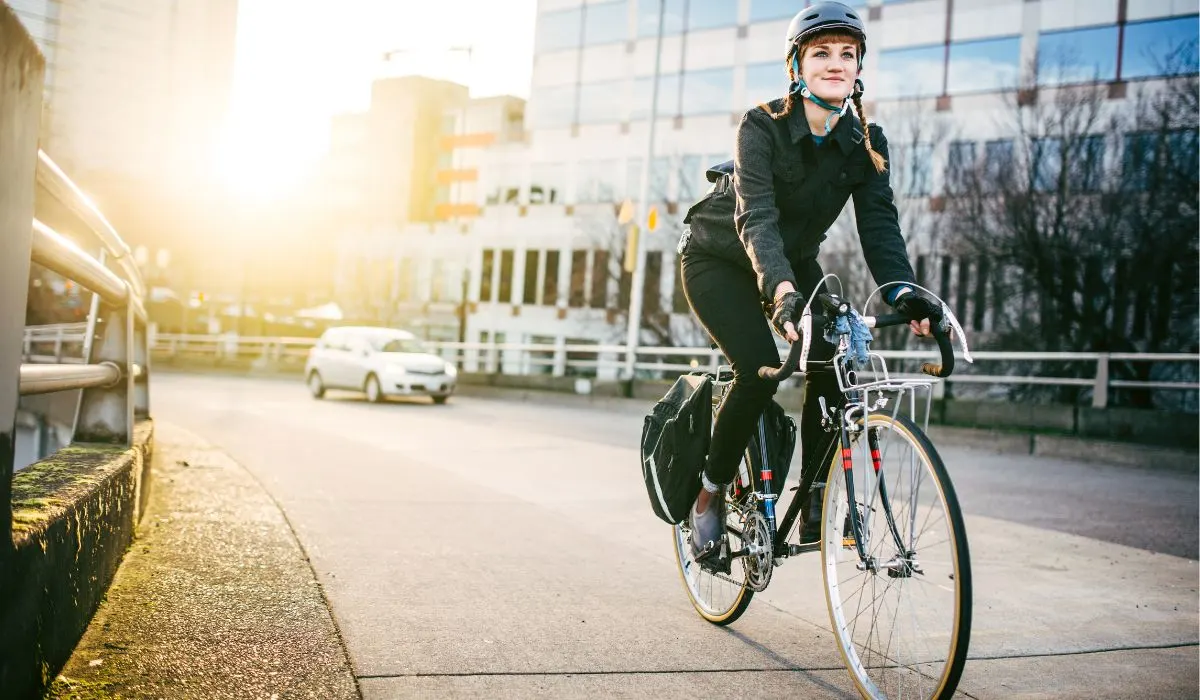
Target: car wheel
315	385
439	400
373	389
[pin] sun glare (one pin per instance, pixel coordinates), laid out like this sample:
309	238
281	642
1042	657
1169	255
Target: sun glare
264	164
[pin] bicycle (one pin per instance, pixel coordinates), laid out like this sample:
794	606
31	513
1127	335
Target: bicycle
885	489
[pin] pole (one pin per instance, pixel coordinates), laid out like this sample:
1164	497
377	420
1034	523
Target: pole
462	316
639	265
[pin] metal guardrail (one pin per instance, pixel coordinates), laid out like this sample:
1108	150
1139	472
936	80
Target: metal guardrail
522	358
112	366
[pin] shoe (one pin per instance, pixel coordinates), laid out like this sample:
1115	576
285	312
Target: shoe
708	528
811	532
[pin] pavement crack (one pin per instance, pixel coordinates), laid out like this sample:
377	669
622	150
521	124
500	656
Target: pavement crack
656	672
1083	652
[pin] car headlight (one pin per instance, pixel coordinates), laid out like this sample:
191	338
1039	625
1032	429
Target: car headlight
451	370
396	369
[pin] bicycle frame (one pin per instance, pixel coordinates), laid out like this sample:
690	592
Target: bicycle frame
852	412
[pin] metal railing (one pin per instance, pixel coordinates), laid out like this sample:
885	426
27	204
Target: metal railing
111	359
517	358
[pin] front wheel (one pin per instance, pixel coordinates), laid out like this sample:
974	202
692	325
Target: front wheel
315	385
900	610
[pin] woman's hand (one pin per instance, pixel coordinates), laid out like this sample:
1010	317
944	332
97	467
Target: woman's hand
786	310
919	307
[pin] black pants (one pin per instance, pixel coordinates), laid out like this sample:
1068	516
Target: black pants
725	298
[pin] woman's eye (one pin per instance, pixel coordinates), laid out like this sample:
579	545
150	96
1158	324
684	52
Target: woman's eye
821	54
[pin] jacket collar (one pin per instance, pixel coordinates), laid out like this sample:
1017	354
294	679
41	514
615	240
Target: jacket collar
847	133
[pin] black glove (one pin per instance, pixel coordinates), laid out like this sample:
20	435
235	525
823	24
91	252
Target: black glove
918	305
787	308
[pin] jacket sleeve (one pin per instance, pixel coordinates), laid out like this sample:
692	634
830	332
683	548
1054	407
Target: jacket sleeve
879	222
755	214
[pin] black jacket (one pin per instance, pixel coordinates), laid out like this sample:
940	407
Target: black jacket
781	219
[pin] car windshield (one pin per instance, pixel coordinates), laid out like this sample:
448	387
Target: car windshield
398	345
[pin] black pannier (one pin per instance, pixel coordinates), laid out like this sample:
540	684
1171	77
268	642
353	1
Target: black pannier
675	438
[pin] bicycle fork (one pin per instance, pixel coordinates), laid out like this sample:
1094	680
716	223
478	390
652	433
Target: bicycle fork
857	526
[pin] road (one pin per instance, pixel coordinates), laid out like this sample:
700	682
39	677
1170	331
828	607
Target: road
500	547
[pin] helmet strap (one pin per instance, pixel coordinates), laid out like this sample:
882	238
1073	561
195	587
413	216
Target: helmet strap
802	87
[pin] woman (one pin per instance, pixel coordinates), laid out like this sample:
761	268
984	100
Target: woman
797	160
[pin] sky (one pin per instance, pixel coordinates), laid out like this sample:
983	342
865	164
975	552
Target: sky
299	62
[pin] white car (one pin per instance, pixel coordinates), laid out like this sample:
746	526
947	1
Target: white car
381	362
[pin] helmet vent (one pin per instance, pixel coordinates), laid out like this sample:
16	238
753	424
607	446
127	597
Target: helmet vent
813	16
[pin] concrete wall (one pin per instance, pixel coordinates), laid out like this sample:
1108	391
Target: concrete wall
74	516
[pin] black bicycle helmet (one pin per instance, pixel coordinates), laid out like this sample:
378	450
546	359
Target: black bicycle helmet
822	16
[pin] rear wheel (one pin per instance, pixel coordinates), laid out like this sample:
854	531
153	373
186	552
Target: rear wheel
719	598
440	398
373	389
902	617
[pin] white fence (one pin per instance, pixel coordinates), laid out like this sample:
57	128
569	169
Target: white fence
560	360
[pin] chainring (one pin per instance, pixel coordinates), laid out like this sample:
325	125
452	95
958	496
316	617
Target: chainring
759	560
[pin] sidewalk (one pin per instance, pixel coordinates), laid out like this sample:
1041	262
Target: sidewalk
215	599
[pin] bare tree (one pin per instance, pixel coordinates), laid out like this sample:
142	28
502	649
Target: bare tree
1090	252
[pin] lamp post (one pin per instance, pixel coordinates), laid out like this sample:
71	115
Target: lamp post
636	292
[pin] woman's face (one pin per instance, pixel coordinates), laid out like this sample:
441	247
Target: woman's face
829	66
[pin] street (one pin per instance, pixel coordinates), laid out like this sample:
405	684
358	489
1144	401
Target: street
500	547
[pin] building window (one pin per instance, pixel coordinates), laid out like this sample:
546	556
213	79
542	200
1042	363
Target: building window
917	170
711	14
693	178
599	279
911	72
1165	47
597	181
762	10
647	17
679	302
668	97
531	277
506	277
552	107
606	23
707	92
1087	164
1077	56
546	181
550	281
765	82
983	66
960	164
578	276
437	281
660	177
485	275
1047	164
558	30
599	103
998	162
651	293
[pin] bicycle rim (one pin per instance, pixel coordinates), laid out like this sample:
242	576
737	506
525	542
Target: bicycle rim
903	624
719	598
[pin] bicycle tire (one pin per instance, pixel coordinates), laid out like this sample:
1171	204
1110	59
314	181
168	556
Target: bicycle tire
937	665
